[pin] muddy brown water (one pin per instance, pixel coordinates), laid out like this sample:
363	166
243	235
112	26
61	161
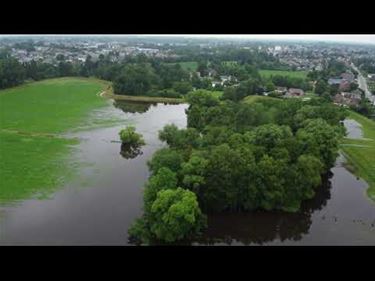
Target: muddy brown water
98	207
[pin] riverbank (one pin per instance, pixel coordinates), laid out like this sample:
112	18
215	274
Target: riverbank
108	93
360	153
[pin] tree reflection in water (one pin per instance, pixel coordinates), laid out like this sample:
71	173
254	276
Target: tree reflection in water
130	151
133	107
261	227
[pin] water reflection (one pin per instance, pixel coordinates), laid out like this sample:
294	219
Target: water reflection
130	151
133	107
262	227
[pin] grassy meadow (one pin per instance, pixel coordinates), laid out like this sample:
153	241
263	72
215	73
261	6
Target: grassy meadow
295	74
188	65
360	153
32	117
255	98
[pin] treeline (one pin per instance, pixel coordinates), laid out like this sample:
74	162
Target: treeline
365	64
142	75
234	156
253	56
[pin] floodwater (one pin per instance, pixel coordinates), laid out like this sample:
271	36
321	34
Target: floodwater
354	129
99	206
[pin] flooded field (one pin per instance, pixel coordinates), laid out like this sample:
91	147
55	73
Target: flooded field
98	207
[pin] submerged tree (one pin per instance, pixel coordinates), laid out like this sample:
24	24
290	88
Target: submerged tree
174	215
130	151
129	136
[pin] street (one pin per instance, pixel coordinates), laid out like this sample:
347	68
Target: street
362	84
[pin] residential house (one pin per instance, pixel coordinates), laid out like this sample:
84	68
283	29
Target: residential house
294	92
281	90
347	99
216	83
344	85
348	76
334	81
212	73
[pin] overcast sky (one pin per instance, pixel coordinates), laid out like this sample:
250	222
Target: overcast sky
352	38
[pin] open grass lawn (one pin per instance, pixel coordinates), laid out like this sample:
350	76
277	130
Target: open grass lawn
253	99
230	62
188	65
361	153
297	74
33	154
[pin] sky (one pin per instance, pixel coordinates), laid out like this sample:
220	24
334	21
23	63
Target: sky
347	38
352	38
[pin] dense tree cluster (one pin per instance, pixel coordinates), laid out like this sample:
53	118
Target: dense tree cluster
236	156
11	71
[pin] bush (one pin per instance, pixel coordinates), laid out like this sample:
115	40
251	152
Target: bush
128	136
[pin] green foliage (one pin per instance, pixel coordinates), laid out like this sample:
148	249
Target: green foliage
261	155
12	72
321	87
182	87
194	171
163	179
135	79
175	215
320	139
202	97
165	157
175	138
245	88
129	136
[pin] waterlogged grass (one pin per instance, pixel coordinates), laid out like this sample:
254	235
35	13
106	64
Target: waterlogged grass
33	118
50	106
32	166
360	153
295	74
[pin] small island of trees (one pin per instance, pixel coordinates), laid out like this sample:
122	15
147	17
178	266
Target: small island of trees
131	142
237	156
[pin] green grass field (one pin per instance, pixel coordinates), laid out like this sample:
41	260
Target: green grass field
217	94
253	99
360	153
33	154
296	74
230	62
371	86
188	65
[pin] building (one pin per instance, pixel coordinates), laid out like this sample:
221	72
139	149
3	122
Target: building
281	90
216	83
347	99
344	85
334	81
348	76
293	92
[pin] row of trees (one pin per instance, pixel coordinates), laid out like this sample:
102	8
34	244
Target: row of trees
237	157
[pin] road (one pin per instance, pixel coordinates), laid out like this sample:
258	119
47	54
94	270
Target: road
362	84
